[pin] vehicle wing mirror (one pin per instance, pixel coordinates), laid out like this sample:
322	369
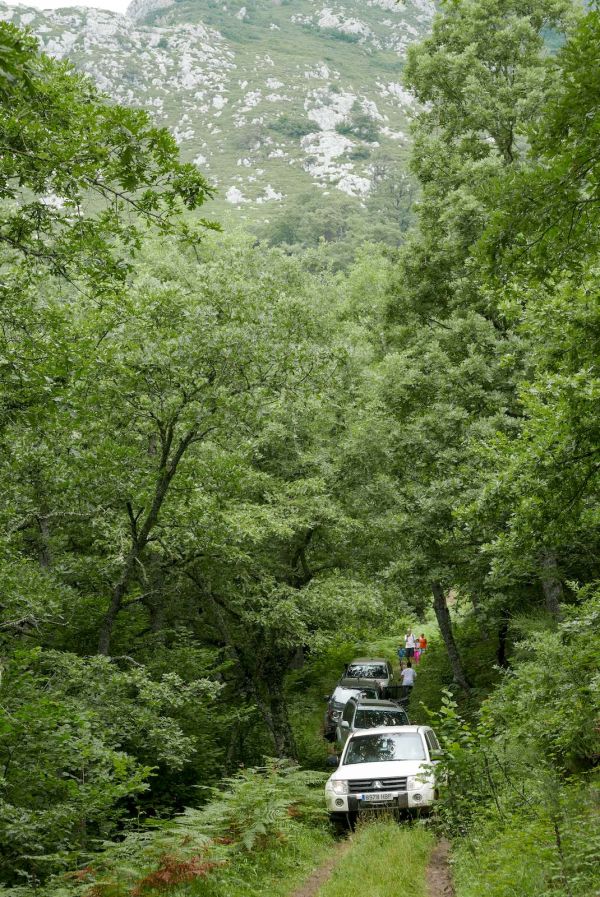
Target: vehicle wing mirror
333	760
345	724
326	697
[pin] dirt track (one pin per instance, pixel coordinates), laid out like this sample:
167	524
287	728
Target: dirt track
317	879
439	877
438	874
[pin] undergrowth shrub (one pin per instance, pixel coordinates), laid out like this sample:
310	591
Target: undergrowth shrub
292	126
252	812
520	783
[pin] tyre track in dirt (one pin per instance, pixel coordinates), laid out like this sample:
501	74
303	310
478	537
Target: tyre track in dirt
438	873
322	874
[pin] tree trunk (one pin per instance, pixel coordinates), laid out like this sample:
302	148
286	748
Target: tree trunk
479	617
232	749
119	591
552	585
502	637
44	553
140	534
266	688
445	623
285	743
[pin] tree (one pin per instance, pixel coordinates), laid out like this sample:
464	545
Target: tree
80	178
483	77
540	253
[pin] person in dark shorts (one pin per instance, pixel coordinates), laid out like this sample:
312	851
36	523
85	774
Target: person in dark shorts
408	680
410	643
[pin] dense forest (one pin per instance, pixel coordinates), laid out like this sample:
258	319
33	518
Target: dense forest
223	463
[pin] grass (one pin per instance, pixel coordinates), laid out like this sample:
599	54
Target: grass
385	859
273	872
520	855
434	673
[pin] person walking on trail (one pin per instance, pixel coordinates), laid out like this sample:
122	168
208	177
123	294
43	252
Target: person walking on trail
408	680
417	653
401	656
422	642
410	643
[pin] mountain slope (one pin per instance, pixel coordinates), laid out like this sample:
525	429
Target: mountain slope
268	97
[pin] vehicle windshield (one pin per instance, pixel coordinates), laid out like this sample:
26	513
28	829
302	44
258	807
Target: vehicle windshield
381	748
367	671
341	696
371	719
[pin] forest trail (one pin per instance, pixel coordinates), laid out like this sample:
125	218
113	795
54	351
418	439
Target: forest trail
438	874
373	865
322	873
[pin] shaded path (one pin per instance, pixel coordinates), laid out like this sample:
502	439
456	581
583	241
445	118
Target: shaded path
438	874
315	881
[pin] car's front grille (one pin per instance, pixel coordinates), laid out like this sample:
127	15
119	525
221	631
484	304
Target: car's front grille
357	786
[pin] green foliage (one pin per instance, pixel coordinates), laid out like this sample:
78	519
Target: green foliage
519	781
64	145
338	231
521	852
333	34
16	58
235	836
359	153
172	504
435	682
360	125
77	737
291	127
217	461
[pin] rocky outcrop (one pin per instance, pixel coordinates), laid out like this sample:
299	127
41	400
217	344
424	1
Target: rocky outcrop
268	100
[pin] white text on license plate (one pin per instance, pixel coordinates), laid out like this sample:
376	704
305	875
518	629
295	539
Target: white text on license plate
378	796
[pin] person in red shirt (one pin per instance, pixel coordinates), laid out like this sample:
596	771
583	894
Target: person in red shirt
422	641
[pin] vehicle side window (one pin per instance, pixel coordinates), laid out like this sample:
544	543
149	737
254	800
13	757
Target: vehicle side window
348	711
432	742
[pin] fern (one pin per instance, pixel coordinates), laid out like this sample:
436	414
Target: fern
251	811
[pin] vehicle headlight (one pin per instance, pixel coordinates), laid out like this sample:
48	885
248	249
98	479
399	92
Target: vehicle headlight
417	783
338	786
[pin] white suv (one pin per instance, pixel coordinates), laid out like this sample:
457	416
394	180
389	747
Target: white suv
388	767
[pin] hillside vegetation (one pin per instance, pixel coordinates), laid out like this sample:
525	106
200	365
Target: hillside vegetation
278	103
228	467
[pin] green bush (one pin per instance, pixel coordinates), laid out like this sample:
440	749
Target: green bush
292	126
359	153
360	125
235	837
332	34
520	781
78	738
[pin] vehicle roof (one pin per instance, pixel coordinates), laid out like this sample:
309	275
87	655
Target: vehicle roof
388	730
377	704
368	660
350	682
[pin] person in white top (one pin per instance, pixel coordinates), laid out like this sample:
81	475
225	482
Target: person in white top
408	680
410	643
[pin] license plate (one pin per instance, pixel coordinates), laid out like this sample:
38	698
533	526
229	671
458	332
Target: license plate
378	797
